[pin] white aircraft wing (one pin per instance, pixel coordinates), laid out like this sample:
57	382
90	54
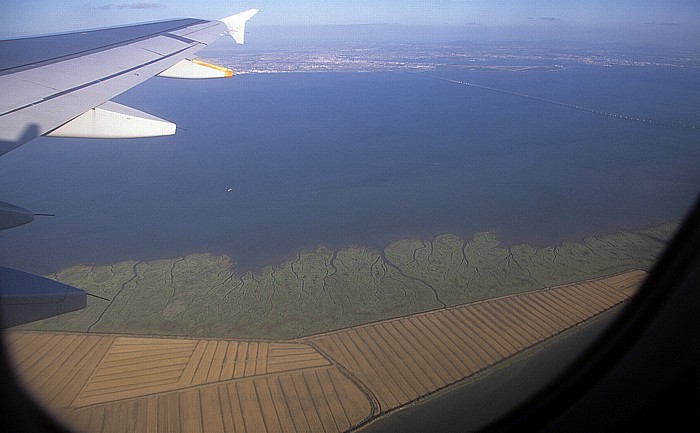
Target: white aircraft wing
60	85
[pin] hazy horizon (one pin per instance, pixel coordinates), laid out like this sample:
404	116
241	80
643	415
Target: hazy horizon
671	23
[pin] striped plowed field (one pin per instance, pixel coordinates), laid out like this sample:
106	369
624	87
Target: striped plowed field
328	382
106	383
402	359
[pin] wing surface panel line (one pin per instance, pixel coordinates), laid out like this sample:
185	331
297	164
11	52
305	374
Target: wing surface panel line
78	54
97	81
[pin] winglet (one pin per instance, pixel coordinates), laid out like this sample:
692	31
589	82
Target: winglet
236	24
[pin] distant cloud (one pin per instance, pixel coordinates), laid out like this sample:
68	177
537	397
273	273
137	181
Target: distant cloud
654	23
132	5
141	5
550	19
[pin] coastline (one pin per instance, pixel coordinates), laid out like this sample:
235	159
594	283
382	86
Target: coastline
203	295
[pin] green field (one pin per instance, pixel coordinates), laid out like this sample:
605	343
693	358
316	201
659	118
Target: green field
202	295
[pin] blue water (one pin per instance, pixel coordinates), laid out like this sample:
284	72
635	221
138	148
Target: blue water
360	158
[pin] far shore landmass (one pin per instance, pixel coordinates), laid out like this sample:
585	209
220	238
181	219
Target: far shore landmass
203	295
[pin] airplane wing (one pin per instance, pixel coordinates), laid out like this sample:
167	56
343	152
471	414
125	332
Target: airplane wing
61	85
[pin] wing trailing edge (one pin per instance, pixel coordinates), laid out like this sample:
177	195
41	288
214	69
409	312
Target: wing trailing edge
112	120
196	69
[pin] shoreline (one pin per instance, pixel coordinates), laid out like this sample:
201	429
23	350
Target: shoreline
278	259
315	291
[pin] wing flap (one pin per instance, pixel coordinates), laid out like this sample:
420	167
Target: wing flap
112	120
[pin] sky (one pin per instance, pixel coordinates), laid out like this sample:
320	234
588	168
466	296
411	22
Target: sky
547	18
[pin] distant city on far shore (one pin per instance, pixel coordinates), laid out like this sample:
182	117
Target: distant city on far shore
439	56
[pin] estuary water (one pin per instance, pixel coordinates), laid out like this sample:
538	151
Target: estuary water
266	165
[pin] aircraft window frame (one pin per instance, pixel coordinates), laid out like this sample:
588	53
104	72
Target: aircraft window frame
671	279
